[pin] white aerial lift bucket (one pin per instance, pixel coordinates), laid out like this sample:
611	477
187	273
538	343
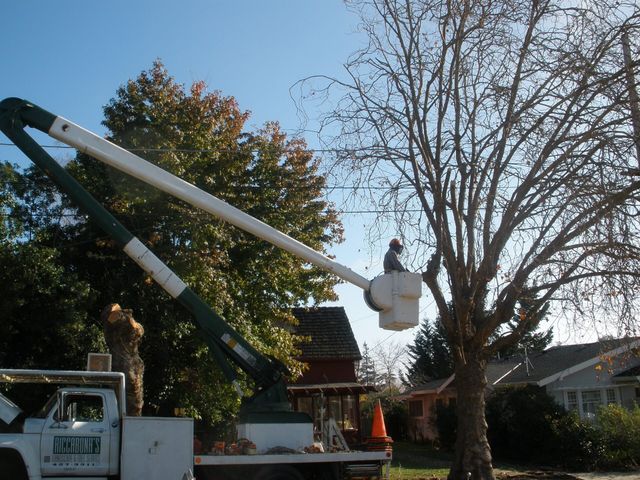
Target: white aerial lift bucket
397	298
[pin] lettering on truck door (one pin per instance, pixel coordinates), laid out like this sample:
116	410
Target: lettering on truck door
77	443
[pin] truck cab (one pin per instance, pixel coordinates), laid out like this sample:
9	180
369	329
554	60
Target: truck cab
76	433
83	432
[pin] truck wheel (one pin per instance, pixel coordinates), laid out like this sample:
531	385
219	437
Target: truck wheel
12	465
279	472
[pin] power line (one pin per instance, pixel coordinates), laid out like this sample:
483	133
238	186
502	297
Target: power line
345	151
217	150
204	214
293	187
384	340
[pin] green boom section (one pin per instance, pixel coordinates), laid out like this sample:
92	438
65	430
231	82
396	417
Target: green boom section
223	341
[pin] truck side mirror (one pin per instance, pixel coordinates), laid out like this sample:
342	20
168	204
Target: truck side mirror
58	415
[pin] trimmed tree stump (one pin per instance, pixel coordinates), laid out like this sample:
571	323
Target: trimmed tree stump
123	335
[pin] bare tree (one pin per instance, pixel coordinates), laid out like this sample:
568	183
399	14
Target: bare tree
389	356
501	134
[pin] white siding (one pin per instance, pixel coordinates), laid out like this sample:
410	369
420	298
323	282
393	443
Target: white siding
595	384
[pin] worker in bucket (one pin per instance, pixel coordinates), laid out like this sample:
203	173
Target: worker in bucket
391	261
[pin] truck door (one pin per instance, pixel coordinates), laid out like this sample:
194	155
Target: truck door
75	438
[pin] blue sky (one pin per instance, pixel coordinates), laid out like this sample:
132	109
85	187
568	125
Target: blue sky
70	56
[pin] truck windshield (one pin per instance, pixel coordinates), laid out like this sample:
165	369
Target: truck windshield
42	413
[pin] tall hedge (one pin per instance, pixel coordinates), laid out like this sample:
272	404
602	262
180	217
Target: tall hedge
528	427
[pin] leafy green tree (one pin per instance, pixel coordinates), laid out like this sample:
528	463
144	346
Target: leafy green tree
199	136
10	227
44	320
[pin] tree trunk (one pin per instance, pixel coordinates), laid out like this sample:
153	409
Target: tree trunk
123	335
472	454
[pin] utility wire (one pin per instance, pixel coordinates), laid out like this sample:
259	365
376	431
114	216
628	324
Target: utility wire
218	150
207	215
365	150
291	187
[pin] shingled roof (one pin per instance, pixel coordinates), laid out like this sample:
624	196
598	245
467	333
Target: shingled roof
545	366
330	333
563	359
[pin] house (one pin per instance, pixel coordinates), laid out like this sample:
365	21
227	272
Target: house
328	388
579	377
583	377
422	402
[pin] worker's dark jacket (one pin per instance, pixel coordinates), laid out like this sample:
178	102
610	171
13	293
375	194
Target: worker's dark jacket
391	262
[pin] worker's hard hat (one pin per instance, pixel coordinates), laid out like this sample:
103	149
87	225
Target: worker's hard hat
395	242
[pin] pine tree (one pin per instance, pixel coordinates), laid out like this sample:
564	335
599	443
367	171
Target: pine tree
532	340
430	355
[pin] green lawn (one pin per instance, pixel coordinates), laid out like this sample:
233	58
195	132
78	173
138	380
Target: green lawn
413	461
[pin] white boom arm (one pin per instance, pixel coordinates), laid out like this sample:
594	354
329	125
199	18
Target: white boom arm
395	296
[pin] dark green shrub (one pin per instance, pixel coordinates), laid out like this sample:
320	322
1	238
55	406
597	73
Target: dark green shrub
578	442
527	426
620	432
395	413
445	421
520	421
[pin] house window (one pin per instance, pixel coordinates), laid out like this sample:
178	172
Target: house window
349	411
335	409
611	396
591	400
343	408
572	400
415	408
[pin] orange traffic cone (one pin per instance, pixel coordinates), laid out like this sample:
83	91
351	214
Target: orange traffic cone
378	429
379	441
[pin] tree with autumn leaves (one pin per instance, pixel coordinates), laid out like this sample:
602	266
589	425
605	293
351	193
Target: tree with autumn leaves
198	135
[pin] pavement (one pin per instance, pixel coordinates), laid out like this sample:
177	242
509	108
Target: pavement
551	475
608	476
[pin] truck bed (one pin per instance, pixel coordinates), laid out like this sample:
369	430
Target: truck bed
292	458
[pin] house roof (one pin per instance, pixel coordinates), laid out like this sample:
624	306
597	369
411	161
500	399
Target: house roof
556	362
544	367
496	371
434	386
632	372
330	334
